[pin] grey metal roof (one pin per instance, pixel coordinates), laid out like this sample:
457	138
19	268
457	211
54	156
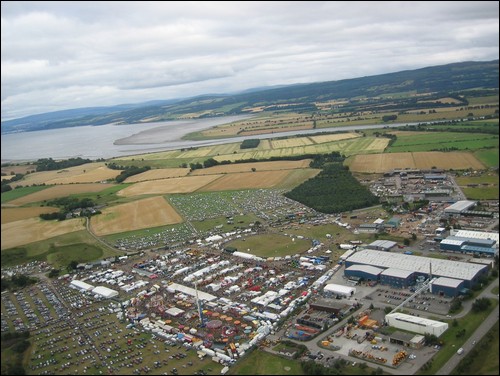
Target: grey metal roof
366	269
460	206
447	282
393	272
383	243
440	268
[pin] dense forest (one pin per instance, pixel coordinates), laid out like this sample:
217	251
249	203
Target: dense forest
48	164
333	190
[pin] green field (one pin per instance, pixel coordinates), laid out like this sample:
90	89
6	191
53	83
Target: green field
428	141
488	157
483	193
484	360
20	192
262	363
270	245
60	250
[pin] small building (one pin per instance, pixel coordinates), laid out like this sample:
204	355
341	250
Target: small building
105	292
397	278
416	324
339	308
80	285
447	286
366	272
394	222
382	245
370	228
407	339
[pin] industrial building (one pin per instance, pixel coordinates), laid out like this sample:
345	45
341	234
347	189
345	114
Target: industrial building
370	228
476	235
468	272
365	272
397	278
459	207
382	245
476	246
447	286
416	324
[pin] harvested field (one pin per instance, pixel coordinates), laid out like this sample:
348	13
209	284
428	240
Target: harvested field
378	163
247	180
34	229
59	191
17	214
333	137
290	142
86	173
281	128
141	214
259	166
160	173
23	169
185	184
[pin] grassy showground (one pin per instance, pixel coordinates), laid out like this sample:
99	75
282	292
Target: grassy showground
270	245
262	363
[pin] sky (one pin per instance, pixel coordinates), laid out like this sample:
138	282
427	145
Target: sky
63	55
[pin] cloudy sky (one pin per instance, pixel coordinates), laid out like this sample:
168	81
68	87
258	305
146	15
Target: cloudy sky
61	55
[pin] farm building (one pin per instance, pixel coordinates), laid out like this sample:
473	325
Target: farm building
397	278
394	222
447	286
80	285
382	245
366	272
105	292
459	206
370	228
416	324
467	272
340	290
477	246
339	308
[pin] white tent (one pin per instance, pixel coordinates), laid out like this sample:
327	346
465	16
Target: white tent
105	292
340	289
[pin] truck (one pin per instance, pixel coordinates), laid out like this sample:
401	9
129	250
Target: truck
460	351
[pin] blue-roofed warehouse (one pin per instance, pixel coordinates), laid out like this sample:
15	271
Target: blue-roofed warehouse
366	272
476	246
447	286
397	277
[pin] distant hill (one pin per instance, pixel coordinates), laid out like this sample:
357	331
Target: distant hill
450	79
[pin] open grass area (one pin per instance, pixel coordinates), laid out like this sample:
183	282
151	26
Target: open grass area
451	343
489	157
429	141
483	193
20	192
262	363
270	245
484	361
58	249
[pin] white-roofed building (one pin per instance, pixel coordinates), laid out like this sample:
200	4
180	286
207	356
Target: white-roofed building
476	235
174	287
416	324
105	292
340	290
467	272
80	285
